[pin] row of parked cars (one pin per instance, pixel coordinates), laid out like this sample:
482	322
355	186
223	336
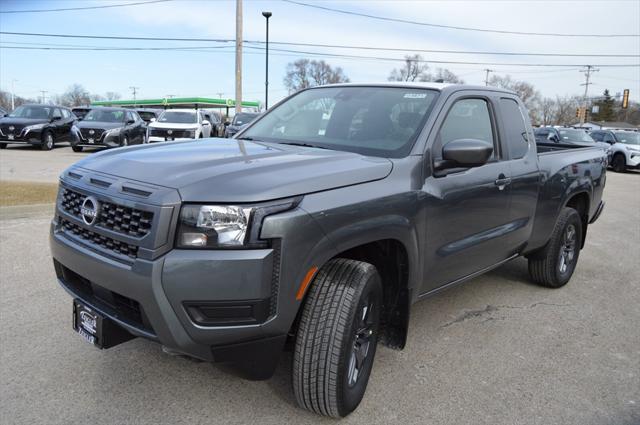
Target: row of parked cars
106	127
622	146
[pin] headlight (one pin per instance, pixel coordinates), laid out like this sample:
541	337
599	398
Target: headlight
112	132
35	127
225	226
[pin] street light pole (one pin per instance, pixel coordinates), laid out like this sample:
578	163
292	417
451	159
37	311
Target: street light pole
267	15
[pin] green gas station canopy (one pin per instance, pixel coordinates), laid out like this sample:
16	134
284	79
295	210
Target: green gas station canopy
173	102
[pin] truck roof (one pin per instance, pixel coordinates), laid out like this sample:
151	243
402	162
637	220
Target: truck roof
423	85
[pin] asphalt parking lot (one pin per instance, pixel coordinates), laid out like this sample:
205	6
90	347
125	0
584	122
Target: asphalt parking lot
497	350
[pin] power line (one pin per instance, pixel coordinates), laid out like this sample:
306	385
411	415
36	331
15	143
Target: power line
333	46
336	55
68	9
406	21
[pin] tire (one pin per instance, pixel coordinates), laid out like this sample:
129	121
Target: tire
338	329
553	266
124	141
76	148
48	141
619	163
3	145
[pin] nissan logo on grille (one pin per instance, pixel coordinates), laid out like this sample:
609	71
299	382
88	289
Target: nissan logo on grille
89	210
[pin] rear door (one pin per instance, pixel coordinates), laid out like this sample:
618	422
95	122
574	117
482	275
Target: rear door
467	210
521	155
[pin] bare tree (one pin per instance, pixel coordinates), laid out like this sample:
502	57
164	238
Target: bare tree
414	69
76	95
566	109
111	95
547	111
446	76
5	100
525	91
305	73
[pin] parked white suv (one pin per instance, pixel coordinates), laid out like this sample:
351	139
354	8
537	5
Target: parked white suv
625	148
179	124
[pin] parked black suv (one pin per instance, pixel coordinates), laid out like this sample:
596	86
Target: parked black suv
38	125
109	128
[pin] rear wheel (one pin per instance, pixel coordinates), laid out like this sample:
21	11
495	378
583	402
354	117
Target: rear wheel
124	141
48	141
337	337
553	266
619	163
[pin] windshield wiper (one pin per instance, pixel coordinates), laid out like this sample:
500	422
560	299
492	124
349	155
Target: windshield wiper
251	139
305	145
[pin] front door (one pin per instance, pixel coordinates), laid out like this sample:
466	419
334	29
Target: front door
467	210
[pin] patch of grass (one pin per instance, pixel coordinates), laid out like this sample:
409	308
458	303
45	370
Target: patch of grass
27	193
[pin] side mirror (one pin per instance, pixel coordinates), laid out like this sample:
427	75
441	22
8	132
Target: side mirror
205	122
465	153
152	119
227	123
56	118
130	122
79	118
553	138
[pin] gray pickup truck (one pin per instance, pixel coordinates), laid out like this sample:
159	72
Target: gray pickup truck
317	228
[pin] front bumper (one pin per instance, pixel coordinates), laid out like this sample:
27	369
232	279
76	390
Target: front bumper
28	137
633	160
155	139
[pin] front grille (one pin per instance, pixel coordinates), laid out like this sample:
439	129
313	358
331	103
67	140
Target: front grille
17	129
118	218
106	242
124	308
97	133
164	132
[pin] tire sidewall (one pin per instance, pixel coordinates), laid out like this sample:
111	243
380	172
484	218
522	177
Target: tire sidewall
619	163
125	141
349	398
572	219
45	145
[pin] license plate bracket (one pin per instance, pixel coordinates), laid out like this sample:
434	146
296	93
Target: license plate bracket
97	329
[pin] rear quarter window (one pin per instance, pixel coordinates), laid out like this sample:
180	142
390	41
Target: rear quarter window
515	128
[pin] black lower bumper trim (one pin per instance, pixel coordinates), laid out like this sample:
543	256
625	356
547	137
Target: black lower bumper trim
255	360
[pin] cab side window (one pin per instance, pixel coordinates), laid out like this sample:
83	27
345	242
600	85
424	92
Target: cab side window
597	136
515	128
467	119
608	138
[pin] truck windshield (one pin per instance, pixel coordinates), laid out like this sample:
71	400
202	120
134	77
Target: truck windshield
574	136
33	112
102	115
179	117
378	121
627	137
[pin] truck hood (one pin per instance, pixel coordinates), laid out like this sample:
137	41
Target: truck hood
230	170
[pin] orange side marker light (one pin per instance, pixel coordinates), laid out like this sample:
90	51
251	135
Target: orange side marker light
305	282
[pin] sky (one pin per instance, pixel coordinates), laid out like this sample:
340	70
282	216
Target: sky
208	69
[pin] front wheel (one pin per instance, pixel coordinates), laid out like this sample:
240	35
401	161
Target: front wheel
619	163
48	141
553	266
3	145
124	141
337	337
76	148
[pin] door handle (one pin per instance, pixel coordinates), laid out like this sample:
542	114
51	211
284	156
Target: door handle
502	181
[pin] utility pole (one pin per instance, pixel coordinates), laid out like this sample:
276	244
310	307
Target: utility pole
587	73
220	94
267	15
13	103
486	78
134	90
44	92
170	96
238	56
